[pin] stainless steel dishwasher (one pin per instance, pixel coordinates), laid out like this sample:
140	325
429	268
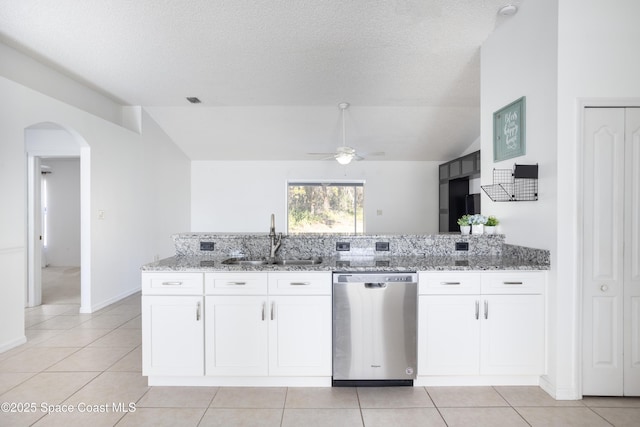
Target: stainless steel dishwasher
374	328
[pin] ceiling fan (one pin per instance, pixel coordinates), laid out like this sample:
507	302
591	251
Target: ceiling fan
345	154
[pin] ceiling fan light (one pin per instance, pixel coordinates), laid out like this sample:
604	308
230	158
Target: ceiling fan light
344	158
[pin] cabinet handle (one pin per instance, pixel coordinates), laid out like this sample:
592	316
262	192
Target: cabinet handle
273	306
604	288
198	307
236	283
477	309
300	283
449	283
512	283
263	308
486	309
171	283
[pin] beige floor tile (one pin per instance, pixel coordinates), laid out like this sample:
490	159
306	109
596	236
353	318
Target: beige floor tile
35	359
48	387
461	397
405	417
334	417
130	310
9	380
130	338
37	336
59	322
93	359
561	417
74	338
612	402
19	419
178	397
31	319
159	417
131	362
322	397
482	417
250	397
112	387
56	309
220	417
135	323
394	397
620	417
531	396
79	419
105	322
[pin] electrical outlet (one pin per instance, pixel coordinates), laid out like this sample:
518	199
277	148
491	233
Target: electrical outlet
343	246
382	246
462	246
207	246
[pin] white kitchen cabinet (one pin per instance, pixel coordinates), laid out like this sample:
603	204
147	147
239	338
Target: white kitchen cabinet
172	338
268	335
236	337
479	324
172	324
300	335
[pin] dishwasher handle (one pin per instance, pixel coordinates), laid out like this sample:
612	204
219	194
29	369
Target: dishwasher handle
371	285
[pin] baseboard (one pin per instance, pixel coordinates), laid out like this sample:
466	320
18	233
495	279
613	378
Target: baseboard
12	344
108	302
558	393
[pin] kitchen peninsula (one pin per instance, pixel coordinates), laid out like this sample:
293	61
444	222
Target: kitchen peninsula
220	313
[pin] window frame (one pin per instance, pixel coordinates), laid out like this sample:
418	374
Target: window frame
321	182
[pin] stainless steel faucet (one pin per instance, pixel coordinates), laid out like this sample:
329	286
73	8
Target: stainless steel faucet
274	241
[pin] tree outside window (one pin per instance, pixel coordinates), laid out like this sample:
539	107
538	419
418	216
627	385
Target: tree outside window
322	207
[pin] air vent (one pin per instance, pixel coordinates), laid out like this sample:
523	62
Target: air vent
193	99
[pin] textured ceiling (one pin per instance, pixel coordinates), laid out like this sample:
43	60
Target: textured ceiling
270	74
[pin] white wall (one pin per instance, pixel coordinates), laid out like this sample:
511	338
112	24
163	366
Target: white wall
140	181
241	196
63	211
587	54
520	59
598	59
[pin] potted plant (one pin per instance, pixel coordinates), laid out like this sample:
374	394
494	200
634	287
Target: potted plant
465	226
490	226
477	222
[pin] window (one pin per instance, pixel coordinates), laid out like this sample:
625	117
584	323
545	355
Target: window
325	207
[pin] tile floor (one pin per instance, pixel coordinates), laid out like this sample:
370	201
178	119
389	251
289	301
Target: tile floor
91	363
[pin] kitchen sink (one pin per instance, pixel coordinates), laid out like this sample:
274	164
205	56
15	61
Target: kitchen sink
279	261
297	261
245	261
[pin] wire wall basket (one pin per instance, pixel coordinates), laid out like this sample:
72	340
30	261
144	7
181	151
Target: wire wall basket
517	185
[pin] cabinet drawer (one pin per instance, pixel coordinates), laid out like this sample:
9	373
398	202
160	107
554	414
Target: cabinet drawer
295	283
245	283
448	283
516	282
172	283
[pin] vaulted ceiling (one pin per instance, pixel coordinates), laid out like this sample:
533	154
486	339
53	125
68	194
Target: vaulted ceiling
270	74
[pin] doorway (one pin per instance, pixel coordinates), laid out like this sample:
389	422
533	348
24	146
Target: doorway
60	208
45	142
611	252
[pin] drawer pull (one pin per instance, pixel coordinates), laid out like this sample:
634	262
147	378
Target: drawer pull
263	308
477	309
199	306
273	309
486	309
171	283
300	283
450	283
512	283
236	283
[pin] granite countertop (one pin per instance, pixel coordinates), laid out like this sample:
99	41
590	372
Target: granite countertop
201	263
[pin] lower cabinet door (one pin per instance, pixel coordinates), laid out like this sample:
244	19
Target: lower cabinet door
173	338
512	335
448	335
300	335
236	335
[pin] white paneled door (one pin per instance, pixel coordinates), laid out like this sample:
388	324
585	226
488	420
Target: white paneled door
611	255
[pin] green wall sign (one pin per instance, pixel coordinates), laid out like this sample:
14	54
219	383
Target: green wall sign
509	131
